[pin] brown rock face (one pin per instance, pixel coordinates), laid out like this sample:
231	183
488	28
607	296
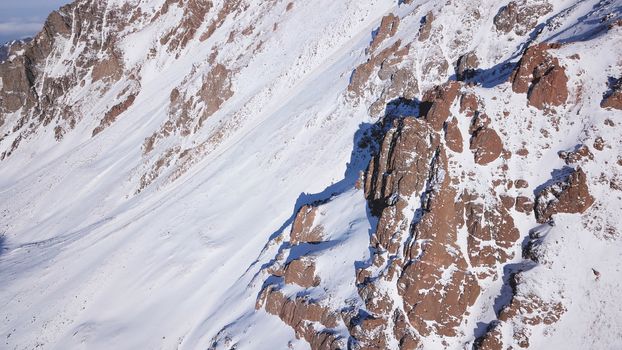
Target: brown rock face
613	98
301	314
491	231
436	104
396	81
549	88
466	66
570	196
388	28
530	309
540	76
599	143
303	229
492	340
453	136
399	170
469	104
193	17
301	272
432	304
216	90
426	26
113	113
521	16
524	204
486	146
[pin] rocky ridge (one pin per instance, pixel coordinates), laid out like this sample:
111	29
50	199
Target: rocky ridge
483	160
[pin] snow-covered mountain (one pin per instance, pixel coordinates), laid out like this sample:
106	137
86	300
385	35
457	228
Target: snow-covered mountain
376	174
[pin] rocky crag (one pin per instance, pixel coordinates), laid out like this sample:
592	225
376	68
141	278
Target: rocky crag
375	175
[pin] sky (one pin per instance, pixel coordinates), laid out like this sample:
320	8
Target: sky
23	18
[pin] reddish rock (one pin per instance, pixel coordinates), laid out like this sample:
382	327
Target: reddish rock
540	76
302	314
469	103
466	66
491	230
521	183
215	91
580	154
481	121
570	195
426	26
388	59
437	102
599	143
486	146
398	171
613	98
530	309
549	88
113	113
303	229
491	340
453	136
432	303
507	201
388	28
524	204
523	152
521	16
301	272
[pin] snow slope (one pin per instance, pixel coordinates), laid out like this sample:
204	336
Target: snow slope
92	258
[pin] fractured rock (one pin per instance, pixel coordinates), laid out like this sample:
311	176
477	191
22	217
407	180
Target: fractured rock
570	195
540	75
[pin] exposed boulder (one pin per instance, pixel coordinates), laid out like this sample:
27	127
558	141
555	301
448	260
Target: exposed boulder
613	98
540	75
453	136
491	230
466	66
524	204
520	183
530	309
301	313
469	104
399	170
570	195
491	340
486	146
437	102
216	90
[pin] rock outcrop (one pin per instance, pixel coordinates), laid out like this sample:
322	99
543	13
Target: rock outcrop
302	314
540	75
466	66
521	16
436	104
486	145
303	228
613	97
570	195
